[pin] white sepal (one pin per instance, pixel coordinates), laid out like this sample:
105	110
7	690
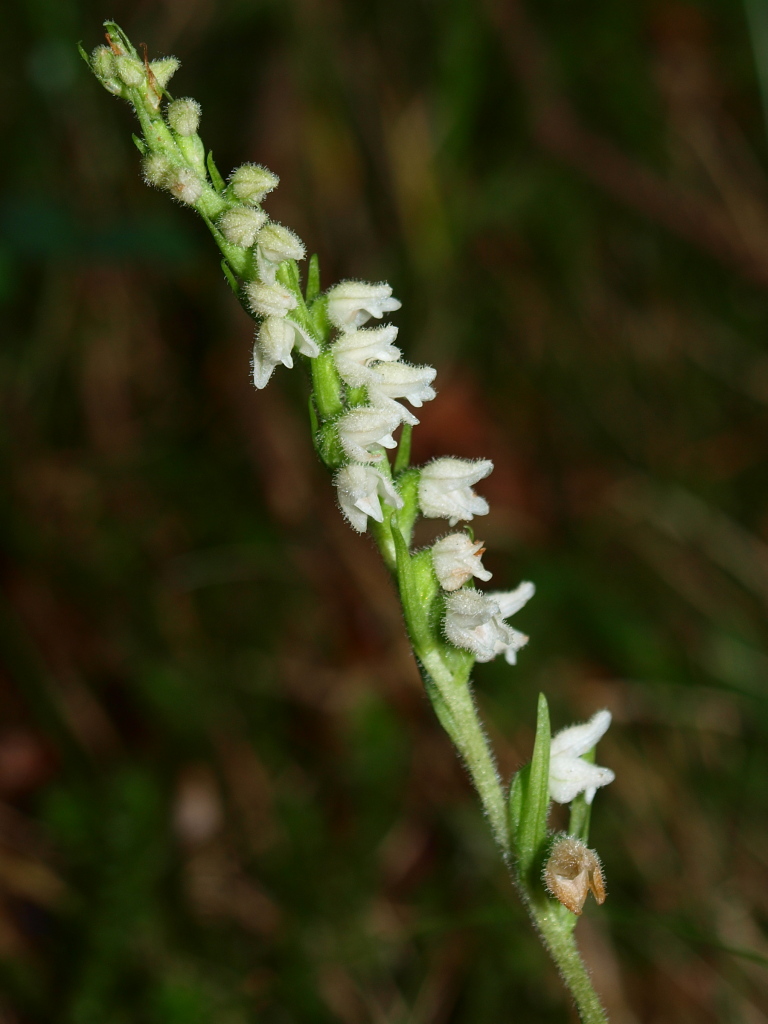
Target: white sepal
569	773
365	426
401	380
270	299
445	489
359	489
355	350
352	303
456	559
278	243
509	602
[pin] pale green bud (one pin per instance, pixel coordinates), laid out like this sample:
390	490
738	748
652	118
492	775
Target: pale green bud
278	243
184	116
241	224
130	69
164	70
156	169
103	65
251	182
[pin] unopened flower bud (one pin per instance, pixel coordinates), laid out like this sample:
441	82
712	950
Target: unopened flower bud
270	299
278	243
129	69
184	116
103	62
251	182
164	69
183	183
241	224
156	169
572	872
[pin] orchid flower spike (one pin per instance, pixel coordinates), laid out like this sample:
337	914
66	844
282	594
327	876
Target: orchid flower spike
569	773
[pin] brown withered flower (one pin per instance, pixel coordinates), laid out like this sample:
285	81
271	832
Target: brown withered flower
572	872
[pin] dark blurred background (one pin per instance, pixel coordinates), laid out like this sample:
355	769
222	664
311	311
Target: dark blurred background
223	796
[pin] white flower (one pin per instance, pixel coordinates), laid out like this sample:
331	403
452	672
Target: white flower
275	341
475	621
241	224
359	489
278	243
352	303
401	380
445	489
365	426
456	559
569	774
270	299
355	350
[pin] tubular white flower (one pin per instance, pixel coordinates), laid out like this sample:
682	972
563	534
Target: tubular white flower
359	489
352	303
362	427
355	350
475	621
445	489
401	380
251	182
270	299
456	559
569	773
275	341
241	224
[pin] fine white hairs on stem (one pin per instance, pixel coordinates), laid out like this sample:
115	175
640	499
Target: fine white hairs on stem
353	303
445	489
362	428
275	341
569	773
475	621
456	559
359	490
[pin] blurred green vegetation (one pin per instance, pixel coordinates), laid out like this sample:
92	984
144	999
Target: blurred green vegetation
222	795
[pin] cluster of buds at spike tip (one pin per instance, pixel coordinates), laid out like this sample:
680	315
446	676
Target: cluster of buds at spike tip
572	871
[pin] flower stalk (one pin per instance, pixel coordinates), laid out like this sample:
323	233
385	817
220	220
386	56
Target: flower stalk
362	395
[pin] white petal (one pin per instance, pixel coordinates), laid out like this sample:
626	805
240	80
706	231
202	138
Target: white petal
578	739
570	776
511	601
352	303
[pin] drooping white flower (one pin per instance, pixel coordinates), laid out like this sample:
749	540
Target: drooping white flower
445	489
352	303
365	426
275	341
241	224
359	489
456	559
355	350
475	621
270	299
569	773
